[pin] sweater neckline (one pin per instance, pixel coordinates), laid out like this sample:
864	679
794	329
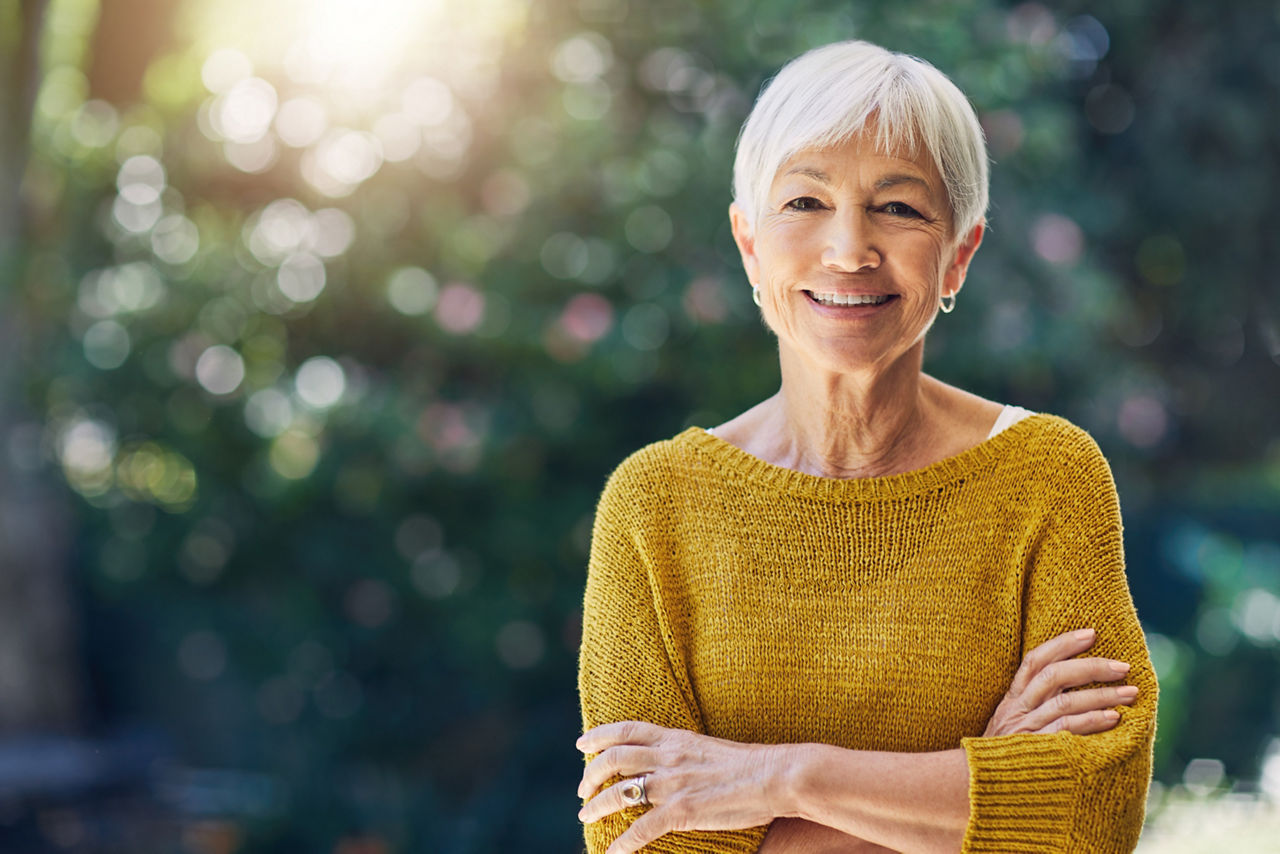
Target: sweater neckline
931	477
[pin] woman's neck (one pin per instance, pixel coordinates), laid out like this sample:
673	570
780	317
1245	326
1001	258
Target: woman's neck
866	424
872	423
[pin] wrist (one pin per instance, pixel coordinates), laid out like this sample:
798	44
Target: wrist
787	779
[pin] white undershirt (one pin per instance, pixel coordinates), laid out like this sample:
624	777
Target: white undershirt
1009	416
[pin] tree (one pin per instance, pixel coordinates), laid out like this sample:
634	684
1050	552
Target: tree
39	685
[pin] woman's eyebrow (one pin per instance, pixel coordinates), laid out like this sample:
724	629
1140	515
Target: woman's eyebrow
889	181
810	172
884	183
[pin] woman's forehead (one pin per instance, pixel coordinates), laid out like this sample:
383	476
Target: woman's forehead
859	158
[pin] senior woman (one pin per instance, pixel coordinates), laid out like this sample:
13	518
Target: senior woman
856	616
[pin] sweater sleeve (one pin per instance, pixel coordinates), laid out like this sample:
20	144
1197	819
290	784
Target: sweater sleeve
1067	792
626	667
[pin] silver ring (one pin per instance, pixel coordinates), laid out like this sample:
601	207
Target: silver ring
633	792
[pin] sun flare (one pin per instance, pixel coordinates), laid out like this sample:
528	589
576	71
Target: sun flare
355	48
358	44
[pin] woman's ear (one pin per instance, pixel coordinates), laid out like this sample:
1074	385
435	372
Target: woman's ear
953	280
744	236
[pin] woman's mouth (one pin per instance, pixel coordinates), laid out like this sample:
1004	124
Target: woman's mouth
849	299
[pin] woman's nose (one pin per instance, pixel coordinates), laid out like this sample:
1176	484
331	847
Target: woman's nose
850	243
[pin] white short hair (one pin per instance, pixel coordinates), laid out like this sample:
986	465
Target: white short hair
825	97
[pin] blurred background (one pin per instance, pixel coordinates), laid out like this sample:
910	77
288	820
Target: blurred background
322	323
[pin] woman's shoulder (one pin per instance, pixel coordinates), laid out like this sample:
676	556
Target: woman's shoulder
658	466
1055	437
1060	455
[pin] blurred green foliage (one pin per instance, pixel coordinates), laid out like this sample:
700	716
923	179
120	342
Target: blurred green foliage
336	372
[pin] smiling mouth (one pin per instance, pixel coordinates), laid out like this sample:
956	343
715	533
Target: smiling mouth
849	299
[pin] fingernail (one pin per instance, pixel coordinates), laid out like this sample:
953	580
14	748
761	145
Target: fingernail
1111	715
1120	666
1084	634
581	813
1128	692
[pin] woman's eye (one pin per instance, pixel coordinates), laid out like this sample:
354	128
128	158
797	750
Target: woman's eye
804	203
901	209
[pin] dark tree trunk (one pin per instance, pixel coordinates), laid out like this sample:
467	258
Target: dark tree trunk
19	57
39	673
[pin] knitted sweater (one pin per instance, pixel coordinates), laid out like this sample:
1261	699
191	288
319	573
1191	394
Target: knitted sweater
732	597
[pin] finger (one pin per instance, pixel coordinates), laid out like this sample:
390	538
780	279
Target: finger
642	831
1084	724
605	803
1072	673
609	801
1078	702
1058	648
623	732
623	760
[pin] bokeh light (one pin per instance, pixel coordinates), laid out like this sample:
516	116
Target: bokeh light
106	345
268	412
520	644
206	550
154	473
220	370
436	576
341	160
587	317
460	308
301	121
294	453
1057	239
87	449
225	68
412	290
320	382
243	113
301	277
175	239
649	229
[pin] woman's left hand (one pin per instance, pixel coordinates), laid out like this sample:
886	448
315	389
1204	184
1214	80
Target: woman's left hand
693	781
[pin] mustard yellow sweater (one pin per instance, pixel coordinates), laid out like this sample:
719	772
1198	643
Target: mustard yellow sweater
743	600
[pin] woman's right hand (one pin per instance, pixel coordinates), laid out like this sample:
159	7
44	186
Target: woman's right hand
1040	699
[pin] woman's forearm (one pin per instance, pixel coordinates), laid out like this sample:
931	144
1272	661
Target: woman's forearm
797	836
904	801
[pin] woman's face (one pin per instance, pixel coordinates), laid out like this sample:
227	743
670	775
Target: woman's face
852	252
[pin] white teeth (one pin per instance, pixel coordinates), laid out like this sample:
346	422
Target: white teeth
849	299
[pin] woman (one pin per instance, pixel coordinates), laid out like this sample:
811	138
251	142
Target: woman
852	617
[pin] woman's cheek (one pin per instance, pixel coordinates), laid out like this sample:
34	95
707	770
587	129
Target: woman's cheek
774	312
